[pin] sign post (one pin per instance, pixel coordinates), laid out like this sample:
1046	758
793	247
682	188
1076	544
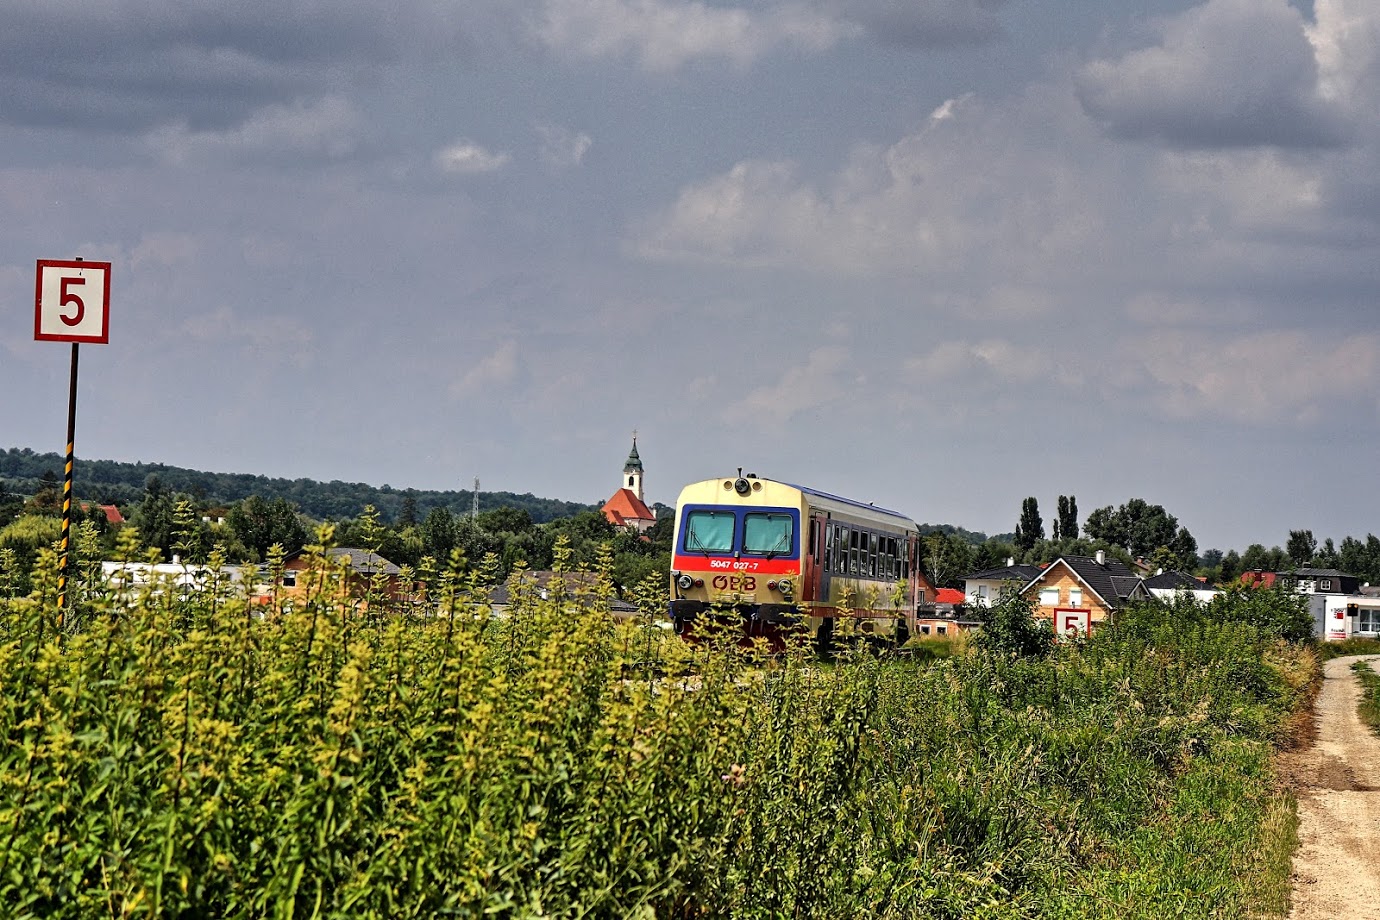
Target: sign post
71	304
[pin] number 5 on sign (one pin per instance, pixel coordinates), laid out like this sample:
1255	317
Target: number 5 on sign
72	303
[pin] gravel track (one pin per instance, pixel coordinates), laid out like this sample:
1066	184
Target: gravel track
1337	781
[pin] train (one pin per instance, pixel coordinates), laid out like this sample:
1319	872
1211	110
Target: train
769	559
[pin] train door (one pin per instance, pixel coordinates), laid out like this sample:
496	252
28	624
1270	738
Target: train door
821	545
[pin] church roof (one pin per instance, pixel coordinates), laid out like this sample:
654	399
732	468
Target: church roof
625	507
634	461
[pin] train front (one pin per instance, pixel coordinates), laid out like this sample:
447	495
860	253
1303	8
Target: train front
736	561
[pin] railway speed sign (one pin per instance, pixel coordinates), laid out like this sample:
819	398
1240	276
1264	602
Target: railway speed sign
72	302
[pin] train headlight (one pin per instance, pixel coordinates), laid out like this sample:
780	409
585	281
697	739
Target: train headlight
785	585
685	582
742	486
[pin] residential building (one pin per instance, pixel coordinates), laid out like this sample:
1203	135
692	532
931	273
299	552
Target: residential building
982	589
1079	593
1305	580
1168	586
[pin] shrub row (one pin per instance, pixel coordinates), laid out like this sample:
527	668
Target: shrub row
193	757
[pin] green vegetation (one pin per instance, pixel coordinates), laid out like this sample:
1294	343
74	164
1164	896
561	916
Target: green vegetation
165	756
1369	707
110	481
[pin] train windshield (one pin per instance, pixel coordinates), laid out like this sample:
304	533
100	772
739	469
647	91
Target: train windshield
770	534
709	531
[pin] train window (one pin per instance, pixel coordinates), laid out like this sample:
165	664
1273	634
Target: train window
814	540
709	531
768	534
872	555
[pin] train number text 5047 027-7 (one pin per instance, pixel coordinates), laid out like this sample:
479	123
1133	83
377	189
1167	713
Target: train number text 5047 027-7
735	565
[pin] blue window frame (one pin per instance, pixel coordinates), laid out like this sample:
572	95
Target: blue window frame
720	531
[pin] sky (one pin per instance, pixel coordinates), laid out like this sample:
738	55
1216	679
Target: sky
936	254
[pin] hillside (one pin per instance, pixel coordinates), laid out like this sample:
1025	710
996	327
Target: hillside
22	470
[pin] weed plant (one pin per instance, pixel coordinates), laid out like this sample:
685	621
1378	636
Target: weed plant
1369	707
334	755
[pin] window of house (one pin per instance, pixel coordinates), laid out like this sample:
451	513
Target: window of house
1324	584
1368	620
924	630
290	578
942	630
1049	597
1075	597
709	531
768	534
982	592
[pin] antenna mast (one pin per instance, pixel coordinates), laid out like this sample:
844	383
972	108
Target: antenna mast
474	501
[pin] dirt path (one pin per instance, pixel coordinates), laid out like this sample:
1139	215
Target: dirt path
1338	785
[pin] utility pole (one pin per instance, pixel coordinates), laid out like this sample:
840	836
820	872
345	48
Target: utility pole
474	502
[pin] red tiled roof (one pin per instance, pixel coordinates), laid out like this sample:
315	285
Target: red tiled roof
625	507
948	596
112	514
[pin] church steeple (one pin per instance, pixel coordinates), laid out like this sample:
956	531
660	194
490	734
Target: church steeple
632	471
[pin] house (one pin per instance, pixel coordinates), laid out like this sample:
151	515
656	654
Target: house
539	583
1167	586
187	578
627	507
110	512
982	589
361	567
1078	593
1305	580
946	616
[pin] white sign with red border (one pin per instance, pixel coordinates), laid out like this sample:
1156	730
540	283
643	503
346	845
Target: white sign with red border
72	302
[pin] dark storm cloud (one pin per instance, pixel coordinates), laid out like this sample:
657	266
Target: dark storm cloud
1230	73
926	24
129	65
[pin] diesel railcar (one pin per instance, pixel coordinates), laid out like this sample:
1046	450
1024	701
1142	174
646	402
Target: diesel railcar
771	558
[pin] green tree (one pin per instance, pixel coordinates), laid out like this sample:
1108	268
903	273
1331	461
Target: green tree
260	523
1010	627
439	534
1030	527
947	558
1301	547
407	514
1105	526
1066	526
1140	528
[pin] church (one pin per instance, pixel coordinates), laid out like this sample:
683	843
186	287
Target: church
627	507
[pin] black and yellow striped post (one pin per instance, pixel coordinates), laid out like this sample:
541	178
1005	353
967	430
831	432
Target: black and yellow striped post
65	573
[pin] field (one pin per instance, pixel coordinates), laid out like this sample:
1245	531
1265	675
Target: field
191	757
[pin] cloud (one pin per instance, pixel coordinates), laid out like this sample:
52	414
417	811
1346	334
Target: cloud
1229	73
974	186
562	148
125	66
465	157
1279	376
664	35
924	23
802	388
326	128
495	370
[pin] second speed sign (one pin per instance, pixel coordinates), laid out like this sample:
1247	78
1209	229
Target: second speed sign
72	302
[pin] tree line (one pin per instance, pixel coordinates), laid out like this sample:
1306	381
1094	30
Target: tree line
23	472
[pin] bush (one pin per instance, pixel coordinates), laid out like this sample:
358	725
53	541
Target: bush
192	757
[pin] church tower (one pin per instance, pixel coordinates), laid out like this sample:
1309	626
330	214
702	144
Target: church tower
632	472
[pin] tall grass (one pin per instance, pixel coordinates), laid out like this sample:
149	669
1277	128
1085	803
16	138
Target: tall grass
195	757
